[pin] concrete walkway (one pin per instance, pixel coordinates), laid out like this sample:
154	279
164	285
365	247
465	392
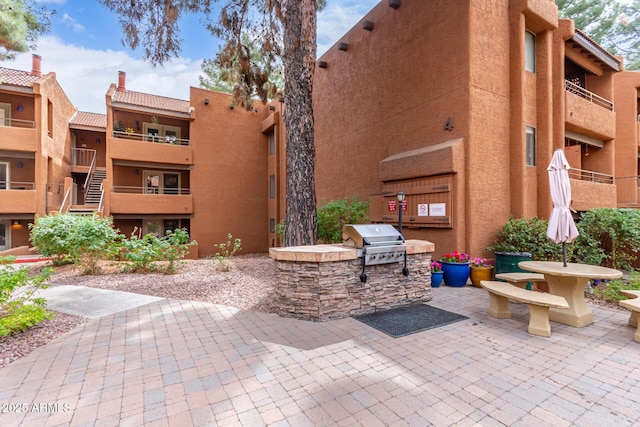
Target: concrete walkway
182	363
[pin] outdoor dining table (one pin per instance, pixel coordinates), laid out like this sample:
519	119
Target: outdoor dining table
569	281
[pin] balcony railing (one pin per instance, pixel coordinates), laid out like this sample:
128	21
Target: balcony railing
584	175
17	123
151	191
589	96
168	139
83	156
15	185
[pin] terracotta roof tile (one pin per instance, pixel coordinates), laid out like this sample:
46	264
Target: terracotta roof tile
17	78
152	101
83	118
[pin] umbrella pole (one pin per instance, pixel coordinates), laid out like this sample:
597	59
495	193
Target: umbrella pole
564	254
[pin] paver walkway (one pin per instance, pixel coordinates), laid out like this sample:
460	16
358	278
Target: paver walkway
182	363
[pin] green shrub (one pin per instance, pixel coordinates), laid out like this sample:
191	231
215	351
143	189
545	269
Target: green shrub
333	215
82	240
143	252
227	250
93	239
50	235
19	309
609	237
611	291
528	235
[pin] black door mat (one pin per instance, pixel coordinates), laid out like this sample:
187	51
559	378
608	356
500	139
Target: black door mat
402	321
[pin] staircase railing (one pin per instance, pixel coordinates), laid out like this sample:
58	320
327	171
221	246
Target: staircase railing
101	204
64	201
92	169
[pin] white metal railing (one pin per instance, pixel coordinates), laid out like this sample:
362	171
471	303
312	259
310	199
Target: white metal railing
64	202
589	96
17	185
101	203
83	156
18	123
171	140
151	191
92	169
584	175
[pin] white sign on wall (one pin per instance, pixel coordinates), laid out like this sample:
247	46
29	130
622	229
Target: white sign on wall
438	209
423	210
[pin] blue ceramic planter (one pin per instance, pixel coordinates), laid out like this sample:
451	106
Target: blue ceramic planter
456	274
436	279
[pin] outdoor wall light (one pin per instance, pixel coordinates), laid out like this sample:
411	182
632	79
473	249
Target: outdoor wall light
16	222
136	172
394	4
272	108
97	140
322	64
20	165
368	25
20	108
206	101
400	197
343	46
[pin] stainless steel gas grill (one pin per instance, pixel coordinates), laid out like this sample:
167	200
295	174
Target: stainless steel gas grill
380	244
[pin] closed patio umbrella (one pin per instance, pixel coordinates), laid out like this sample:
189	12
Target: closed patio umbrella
561	226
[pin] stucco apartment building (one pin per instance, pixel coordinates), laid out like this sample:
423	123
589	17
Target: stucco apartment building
459	104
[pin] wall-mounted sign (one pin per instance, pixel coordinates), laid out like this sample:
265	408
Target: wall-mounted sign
392	205
438	209
423	209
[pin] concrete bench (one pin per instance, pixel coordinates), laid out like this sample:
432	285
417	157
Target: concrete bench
633	304
539	303
520	279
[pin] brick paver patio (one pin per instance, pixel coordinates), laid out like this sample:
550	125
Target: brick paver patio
180	363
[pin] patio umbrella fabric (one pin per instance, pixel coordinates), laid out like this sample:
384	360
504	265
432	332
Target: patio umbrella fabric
561	226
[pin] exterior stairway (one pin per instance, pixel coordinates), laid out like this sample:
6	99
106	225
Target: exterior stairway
92	195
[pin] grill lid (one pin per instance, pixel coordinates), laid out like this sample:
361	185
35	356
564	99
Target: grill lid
361	235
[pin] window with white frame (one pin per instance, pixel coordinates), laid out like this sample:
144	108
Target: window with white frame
530	51
158	182
531	146
161	133
5	114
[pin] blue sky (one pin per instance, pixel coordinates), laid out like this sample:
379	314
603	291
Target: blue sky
84	49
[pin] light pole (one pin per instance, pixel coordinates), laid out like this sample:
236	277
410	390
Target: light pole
400	197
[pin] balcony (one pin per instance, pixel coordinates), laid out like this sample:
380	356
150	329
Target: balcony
18	135
591	190
588	113
138	200
17	197
151	148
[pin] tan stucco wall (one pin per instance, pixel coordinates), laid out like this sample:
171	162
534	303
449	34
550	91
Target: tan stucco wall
229	178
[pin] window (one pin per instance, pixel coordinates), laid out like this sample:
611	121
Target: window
272	187
4	175
5	114
272	142
161	182
159	227
531	146
530	51
161	133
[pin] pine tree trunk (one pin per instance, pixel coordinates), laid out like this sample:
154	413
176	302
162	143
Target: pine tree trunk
299	57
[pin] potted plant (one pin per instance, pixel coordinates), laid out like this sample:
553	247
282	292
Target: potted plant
456	269
436	274
480	269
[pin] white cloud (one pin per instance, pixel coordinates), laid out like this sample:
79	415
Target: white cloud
338	18
72	23
85	74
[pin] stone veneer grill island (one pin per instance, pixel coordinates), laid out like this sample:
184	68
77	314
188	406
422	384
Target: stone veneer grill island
322	282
